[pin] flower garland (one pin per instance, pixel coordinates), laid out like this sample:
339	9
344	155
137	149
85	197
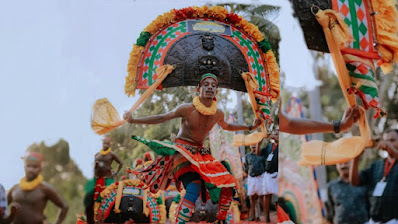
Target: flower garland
30	185
202	108
105	152
213	12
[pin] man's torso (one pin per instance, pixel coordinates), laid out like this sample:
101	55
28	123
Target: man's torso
195	126
349	202
32	204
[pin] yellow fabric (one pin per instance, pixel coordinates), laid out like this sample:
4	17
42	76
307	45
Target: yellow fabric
172	211
144	201
105	152
274	78
135	56
386	29
118	197
105	118
202	108
340	151
345	149
30	185
254	138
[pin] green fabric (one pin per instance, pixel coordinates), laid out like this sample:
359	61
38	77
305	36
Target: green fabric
143	39
177	198
208	75
265	45
214	192
182	165
159	200
89	190
162	150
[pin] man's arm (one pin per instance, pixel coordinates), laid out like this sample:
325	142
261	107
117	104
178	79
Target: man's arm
238	127
307	126
155	119
116	158
58	201
354	176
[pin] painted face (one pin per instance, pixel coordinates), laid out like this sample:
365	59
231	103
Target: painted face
343	169
391	137
106	144
32	169
208	88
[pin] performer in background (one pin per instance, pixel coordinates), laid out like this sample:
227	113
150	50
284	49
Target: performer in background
32	194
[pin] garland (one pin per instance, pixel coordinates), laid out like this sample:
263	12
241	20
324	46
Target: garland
202	108
105	152
213	12
30	185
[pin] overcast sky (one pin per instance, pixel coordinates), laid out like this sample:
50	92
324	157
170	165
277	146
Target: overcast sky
58	57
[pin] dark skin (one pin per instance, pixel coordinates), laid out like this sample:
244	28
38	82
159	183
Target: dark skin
32	203
105	161
389	143
302	126
4	219
267	198
194	125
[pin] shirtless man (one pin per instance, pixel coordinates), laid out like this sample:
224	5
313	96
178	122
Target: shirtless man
192	162
103	177
104	159
32	194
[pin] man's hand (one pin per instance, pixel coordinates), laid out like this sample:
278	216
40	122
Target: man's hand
128	117
257	123
351	116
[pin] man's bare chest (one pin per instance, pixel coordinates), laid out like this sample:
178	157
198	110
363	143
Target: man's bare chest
29	198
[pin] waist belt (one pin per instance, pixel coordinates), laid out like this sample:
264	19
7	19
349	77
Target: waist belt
195	149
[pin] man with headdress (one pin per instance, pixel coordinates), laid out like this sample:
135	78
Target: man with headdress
187	160
32	194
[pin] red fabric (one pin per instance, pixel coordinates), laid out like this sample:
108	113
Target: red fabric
282	216
99	187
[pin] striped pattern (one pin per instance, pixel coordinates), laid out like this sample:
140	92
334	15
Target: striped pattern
210	169
224	203
185	209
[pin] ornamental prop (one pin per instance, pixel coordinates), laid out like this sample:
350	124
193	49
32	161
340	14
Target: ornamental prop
195	41
356	33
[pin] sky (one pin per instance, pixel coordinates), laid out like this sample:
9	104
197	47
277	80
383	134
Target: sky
58	57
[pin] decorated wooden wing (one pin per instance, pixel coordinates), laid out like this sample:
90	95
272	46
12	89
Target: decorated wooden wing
178	47
373	28
199	40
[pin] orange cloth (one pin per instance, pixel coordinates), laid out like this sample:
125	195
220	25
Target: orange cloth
254	138
345	149
105	117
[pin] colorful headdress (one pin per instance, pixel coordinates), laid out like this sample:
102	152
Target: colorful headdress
139	161
181	45
208	75
33	156
148	155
